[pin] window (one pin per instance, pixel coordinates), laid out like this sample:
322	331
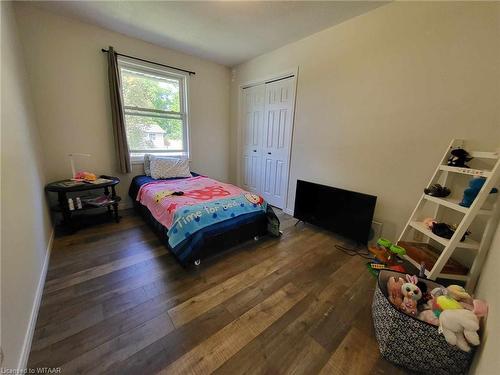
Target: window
155	108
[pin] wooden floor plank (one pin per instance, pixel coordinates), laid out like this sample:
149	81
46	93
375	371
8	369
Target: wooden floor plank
214	351
87	274
116	302
197	305
354	356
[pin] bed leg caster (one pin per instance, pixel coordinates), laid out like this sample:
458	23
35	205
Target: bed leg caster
197	262
256	238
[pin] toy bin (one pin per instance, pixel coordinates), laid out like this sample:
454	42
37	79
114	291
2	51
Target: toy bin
410	342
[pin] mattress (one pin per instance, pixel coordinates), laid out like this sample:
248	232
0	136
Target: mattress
211	239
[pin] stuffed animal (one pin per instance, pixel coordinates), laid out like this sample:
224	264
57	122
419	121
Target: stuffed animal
429	222
459	294
411	295
429	317
442	229
480	308
441	301
459	328
458	158
436	190
394	290
475	185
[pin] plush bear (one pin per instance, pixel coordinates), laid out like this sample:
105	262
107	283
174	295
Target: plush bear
475	185
394	290
459	328
458	158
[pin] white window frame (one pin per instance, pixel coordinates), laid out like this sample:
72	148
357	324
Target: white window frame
137	156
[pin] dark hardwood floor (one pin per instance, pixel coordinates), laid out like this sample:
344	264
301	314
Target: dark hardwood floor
115	301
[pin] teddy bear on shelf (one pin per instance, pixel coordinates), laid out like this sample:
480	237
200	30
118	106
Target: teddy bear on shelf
458	158
411	295
475	185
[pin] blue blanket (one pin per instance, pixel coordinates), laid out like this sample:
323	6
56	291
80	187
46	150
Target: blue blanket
193	218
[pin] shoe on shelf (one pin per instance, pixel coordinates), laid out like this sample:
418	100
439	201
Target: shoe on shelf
437	190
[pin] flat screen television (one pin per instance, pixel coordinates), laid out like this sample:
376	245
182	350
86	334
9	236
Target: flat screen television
344	212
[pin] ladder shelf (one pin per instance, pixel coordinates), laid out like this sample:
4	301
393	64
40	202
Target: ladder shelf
439	263
453	204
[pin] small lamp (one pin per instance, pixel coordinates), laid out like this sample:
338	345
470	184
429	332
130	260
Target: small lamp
72	161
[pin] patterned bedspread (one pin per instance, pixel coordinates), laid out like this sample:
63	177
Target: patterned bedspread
203	202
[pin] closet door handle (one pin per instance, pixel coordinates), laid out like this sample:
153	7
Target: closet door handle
269	153
254	150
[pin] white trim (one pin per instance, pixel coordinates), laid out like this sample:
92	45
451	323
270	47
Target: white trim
183	79
28	338
288	211
239	144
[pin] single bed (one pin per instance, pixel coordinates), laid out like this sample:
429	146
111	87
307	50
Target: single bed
207	239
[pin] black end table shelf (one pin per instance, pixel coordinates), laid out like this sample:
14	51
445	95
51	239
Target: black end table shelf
84	187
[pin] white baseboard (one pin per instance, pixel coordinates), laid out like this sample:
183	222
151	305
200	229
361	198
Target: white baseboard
28	338
288	211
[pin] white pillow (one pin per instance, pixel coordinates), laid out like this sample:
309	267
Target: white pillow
166	167
147	164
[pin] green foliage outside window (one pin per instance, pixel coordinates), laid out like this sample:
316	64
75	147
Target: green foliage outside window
156	93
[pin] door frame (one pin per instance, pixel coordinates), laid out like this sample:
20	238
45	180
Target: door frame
241	118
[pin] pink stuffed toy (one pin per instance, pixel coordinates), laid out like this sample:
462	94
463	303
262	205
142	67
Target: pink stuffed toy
411	293
394	290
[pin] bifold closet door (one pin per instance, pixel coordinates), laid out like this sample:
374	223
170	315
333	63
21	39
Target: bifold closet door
276	140
253	112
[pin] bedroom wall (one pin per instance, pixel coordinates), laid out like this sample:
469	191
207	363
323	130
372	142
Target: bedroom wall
25	223
70	89
486	360
380	96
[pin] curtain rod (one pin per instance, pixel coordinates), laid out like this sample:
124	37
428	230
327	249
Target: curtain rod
152	62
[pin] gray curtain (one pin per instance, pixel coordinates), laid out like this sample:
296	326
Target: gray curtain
122	152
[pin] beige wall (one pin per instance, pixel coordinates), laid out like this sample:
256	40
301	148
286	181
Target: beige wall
69	76
380	96
25	224
487	360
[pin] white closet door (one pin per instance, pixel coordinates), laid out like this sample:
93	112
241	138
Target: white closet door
276	140
253	112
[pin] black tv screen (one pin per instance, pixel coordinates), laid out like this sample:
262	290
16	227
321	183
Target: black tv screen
344	212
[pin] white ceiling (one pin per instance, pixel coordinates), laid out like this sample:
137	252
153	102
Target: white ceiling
225	32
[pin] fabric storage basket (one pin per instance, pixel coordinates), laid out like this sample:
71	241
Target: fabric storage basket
410	342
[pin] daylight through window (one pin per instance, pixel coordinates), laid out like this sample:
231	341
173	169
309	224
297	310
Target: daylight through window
154	104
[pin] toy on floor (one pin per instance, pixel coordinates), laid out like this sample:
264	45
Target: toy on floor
411	295
475	185
437	190
386	252
458	158
387	256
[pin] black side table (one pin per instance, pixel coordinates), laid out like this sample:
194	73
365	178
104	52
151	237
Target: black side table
64	187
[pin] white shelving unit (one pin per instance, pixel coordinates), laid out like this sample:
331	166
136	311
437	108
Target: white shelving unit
478	248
